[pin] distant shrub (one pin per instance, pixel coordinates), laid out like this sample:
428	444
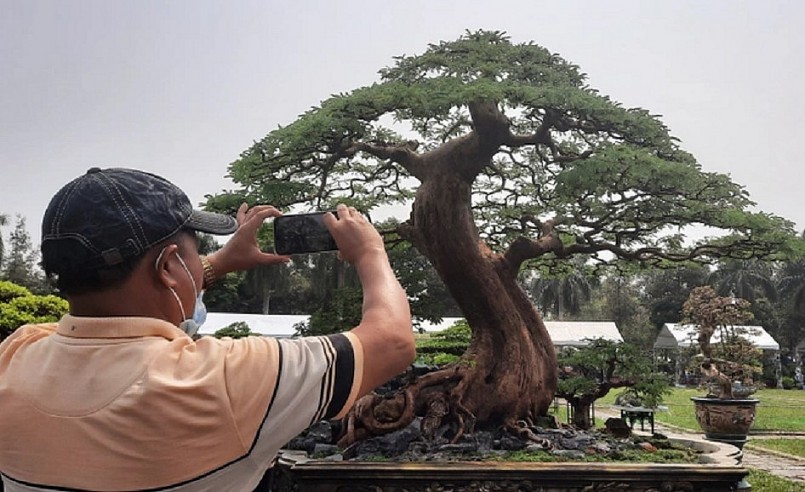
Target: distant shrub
238	329
18	306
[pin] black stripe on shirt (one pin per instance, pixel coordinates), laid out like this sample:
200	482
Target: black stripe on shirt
344	374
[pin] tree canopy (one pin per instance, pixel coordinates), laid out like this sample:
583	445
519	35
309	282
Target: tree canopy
571	171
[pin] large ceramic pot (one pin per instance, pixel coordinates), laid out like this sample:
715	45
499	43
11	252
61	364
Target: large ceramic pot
725	420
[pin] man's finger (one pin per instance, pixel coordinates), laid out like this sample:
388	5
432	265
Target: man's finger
272	259
241	215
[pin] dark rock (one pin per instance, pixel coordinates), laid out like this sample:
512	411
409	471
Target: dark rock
302	443
510	443
390	445
484	441
321	431
322	450
618	427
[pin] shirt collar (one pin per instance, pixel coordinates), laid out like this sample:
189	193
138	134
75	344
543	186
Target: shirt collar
116	327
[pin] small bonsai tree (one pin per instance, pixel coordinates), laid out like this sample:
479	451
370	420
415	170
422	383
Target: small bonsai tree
590	372
737	358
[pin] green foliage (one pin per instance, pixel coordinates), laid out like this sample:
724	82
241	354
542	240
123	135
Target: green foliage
444	347
238	329
340	313
590	372
649	391
18	306
612	178
10	290
664	291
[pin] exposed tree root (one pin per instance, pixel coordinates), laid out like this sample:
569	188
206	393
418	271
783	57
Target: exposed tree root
522	429
434	396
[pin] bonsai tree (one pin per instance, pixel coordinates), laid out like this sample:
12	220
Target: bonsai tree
590	372
508	160
734	354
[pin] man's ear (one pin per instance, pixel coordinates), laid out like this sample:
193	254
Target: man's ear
167	268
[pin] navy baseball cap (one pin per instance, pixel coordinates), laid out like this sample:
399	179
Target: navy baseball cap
108	216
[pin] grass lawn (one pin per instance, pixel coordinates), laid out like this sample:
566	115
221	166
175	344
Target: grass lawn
762	481
789	446
778	410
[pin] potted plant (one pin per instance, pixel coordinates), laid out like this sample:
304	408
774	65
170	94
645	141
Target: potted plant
729	364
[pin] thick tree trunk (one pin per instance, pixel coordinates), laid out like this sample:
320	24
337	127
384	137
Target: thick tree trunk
511	362
507	377
582	414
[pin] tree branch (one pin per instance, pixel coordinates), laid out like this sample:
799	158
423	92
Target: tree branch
404	155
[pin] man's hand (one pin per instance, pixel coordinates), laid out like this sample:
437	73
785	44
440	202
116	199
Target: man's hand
355	236
242	252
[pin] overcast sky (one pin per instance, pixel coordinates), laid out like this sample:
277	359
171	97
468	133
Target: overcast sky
180	88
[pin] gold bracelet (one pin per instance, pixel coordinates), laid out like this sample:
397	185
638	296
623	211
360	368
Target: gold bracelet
209	272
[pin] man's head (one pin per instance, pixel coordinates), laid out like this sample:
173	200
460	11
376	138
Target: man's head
99	226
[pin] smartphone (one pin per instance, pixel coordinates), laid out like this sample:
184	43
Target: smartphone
302	233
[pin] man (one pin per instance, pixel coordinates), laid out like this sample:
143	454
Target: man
118	396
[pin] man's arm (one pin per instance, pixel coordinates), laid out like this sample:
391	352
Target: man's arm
385	330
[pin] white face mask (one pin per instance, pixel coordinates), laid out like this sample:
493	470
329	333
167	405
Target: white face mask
188	325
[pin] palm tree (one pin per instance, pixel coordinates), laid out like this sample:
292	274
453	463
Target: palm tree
746	279
791	283
561	296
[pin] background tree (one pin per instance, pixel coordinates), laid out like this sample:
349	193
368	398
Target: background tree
20	265
563	295
747	279
711	313
591	372
664	291
3	223
512	161
619	301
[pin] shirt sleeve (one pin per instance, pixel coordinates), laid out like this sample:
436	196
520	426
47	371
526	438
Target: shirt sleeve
311	379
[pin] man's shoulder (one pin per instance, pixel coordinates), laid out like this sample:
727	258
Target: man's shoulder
25	335
33	331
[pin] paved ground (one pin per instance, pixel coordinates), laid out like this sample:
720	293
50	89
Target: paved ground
788	467
783	467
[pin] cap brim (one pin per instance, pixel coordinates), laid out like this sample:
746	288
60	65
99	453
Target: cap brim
211	223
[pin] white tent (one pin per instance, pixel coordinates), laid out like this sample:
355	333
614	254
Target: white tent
577	333
275	325
563	333
675	335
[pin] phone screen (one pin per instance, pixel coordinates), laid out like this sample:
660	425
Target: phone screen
302	233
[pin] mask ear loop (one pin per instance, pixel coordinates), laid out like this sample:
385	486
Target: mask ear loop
175	295
187	270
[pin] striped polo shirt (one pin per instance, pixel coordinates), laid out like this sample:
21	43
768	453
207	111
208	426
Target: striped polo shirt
125	404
